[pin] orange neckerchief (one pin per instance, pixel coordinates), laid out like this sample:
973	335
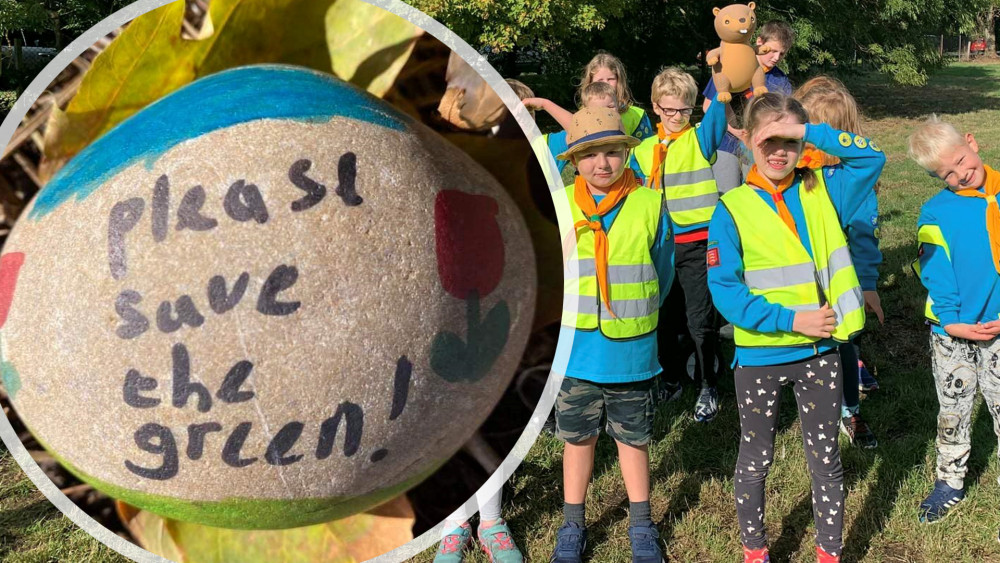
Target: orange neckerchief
660	154
991	187
583	198
811	158
757	179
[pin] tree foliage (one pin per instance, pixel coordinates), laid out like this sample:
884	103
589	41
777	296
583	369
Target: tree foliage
892	37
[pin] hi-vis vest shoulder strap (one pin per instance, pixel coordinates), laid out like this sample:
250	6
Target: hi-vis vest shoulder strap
685	177
634	288
930	234
779	268
632	118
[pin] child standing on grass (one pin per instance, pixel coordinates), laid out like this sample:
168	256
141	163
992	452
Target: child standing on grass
619	267
677	161
779	37
959	264
780	270
826	100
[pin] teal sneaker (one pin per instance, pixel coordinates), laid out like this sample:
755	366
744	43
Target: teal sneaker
498	544
453	545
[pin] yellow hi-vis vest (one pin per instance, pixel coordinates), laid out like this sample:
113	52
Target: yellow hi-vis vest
634	289
686	178
930	234
777	266
632	118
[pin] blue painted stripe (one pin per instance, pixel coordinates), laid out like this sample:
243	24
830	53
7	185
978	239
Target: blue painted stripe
217	101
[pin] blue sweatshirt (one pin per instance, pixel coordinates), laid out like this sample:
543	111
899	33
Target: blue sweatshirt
589	355
966	287
848	184
862	236
710	133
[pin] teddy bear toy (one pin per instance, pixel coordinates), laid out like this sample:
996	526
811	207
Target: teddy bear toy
734	62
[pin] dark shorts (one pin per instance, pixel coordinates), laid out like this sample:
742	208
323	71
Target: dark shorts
629	406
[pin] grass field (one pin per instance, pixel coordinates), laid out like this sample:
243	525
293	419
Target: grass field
32	530
692	464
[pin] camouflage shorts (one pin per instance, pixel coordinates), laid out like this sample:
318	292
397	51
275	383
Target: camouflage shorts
629	406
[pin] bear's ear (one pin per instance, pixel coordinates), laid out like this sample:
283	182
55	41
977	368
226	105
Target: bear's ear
752	6
715	11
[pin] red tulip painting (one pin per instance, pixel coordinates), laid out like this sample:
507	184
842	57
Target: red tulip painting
470	255
10	267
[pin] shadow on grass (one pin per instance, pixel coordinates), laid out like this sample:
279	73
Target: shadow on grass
957	88
16	524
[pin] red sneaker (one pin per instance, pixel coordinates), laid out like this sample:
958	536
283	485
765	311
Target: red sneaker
755	555
824	557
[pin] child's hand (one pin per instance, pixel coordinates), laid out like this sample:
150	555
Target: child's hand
780	130
979	332
873	303
535	103
818	324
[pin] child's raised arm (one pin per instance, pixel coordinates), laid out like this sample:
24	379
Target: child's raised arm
562	116
851	181
712	129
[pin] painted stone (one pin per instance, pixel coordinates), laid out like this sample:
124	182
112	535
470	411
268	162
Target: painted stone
267	300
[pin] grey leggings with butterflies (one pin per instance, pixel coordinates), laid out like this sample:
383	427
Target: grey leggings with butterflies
817	383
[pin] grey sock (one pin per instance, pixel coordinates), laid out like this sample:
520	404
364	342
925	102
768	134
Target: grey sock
576	513
638	512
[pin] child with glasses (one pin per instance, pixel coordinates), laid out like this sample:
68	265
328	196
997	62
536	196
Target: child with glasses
678	163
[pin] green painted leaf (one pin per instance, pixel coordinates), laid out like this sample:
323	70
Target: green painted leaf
368	45
149	60
356	538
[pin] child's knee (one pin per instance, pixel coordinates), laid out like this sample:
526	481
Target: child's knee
950	429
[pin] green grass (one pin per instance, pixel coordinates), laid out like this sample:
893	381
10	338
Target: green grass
32	530
692	464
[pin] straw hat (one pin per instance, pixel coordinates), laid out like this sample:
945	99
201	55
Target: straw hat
592	127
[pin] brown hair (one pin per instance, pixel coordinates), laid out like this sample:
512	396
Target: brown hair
777	30
522	90
612	63
769	107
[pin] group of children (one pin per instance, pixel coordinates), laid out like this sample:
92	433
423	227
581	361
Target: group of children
788	254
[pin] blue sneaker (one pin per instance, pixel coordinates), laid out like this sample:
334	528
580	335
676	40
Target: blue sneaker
571	540
866	382
941	500
452	548
645	540
707	406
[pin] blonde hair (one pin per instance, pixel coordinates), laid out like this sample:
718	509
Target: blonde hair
827	100
769	107
612	63
673	81
598	90
931	139
819	82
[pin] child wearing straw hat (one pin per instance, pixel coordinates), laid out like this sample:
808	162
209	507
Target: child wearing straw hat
619	267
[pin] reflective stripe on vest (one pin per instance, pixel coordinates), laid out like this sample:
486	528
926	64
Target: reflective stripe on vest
930	234
687	180
778	267
634	288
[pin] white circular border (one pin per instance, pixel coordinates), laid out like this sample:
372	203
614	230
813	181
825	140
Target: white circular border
528	126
